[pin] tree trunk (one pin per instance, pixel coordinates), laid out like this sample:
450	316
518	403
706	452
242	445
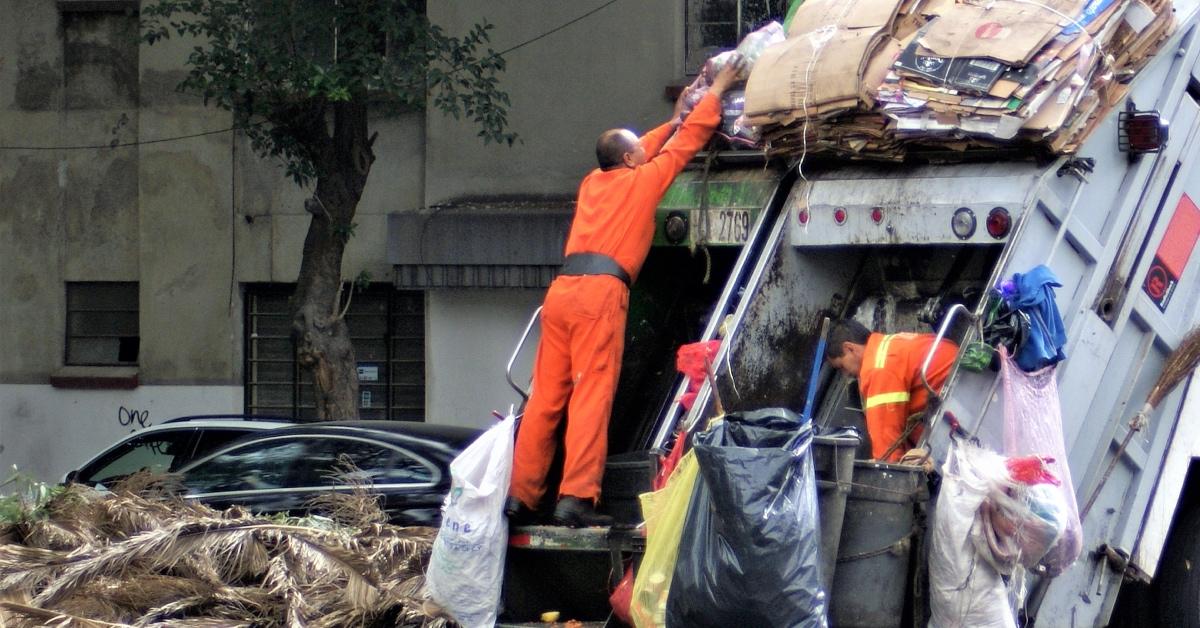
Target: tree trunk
322	338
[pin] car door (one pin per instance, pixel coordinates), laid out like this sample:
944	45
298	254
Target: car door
284	473
159	451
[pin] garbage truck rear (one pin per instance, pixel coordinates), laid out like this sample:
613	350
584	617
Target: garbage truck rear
758	254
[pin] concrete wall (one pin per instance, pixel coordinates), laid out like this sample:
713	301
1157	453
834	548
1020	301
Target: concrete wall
607	70
471	334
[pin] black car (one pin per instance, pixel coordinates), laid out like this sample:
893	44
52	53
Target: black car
169	446
407	464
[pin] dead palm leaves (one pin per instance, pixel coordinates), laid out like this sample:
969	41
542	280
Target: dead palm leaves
141	557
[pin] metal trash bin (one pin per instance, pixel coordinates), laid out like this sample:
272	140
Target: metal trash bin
833	460
879	531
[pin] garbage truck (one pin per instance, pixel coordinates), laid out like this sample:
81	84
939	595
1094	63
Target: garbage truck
757	252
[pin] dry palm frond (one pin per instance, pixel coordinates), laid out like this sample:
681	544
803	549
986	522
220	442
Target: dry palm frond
201	622
360	591
54	534
1179	366
150	485
356	508
161	548
20	615
285	579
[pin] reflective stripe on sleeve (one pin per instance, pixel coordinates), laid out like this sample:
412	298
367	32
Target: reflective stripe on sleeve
882	350
886	398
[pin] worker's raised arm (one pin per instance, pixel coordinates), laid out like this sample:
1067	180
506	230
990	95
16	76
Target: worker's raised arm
653	140
692	135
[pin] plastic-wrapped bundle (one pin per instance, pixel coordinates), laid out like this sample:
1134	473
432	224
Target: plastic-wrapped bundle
1018	525
1033	425
749	49
964	590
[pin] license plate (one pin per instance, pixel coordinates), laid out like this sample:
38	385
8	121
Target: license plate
723	226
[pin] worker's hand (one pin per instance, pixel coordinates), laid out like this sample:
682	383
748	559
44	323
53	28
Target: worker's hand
728	74
677	116
918	456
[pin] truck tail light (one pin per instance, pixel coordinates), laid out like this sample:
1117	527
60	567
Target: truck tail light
876	215
839	215
802	216
963	223
675	227
999	222
1140	132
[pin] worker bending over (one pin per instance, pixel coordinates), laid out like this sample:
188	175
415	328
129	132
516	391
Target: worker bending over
888	368
583	317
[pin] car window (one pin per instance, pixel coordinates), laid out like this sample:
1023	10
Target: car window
375	463
257	465
158	452
303	461
211	439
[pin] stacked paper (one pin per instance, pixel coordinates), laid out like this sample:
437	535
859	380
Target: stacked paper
878	78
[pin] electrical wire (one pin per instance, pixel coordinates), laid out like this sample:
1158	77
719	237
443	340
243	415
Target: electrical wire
233	128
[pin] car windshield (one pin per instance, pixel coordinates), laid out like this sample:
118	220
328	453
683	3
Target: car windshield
303	461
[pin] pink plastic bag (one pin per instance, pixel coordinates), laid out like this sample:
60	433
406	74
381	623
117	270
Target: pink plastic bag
1033	425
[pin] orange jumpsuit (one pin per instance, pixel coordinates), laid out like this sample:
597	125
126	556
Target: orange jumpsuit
890	384
583	317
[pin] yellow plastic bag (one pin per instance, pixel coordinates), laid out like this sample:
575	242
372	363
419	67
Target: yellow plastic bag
665	511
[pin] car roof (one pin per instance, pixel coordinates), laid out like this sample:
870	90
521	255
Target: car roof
453	436
225	419
247	425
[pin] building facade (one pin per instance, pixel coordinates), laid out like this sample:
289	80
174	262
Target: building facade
146	253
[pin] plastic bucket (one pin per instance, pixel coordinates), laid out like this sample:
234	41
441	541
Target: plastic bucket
879	529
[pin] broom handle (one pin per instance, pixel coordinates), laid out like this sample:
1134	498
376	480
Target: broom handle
1135	425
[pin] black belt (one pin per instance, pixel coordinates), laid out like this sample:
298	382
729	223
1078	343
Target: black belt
594	264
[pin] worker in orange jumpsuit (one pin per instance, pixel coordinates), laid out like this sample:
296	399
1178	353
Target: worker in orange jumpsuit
888	368
583	316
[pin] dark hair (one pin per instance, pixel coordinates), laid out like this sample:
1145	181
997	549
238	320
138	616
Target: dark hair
844	330
611	148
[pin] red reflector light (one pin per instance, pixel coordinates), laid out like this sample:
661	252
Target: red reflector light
802	216
998	222
1140	132
839	215
877	215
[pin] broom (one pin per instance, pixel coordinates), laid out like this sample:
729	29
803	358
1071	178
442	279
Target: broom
1179	366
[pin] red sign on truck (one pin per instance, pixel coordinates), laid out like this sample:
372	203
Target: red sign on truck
1173	253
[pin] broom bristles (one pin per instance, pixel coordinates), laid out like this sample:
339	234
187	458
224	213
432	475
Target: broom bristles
1179	366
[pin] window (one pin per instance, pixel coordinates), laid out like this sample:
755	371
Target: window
100	54
158	452
387	329
102	324
717	25
297	462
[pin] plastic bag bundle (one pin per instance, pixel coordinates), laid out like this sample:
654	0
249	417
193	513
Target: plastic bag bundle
1017	525
1033	425
467	562
749	553
734	126
964	590
665	511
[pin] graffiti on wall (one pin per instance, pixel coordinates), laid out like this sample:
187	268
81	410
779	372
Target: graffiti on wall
133	419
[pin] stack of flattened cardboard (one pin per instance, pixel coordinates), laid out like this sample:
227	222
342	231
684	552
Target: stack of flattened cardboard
876	78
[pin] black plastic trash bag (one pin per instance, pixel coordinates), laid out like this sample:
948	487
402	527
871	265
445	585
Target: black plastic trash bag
750	551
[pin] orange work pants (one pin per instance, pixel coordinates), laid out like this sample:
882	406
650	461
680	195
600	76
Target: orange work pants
576	369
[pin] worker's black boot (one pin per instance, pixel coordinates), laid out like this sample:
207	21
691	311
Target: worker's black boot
574	512
518	513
